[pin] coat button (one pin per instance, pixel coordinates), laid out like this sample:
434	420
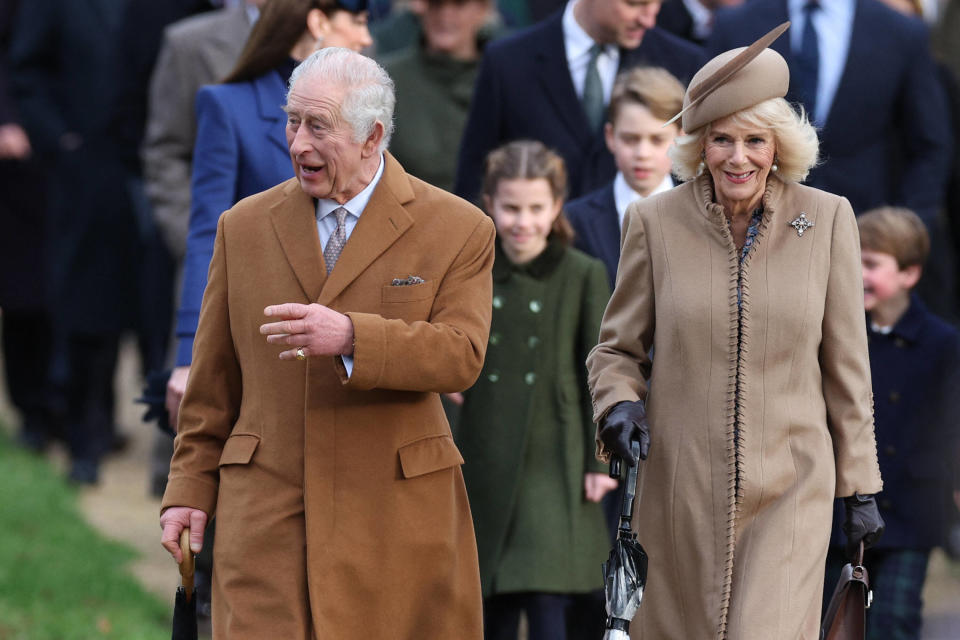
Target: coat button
894	397
899	343
533	342
497	302
494	339
493	376
530	377
885	504
890	450
535	306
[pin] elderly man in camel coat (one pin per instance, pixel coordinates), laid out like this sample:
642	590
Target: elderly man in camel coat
339	304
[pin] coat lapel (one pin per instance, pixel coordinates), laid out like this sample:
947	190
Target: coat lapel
557	84
858	57
608	225
294	221
382	222
266	88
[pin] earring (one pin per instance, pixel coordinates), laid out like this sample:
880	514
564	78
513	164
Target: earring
700	168
775	166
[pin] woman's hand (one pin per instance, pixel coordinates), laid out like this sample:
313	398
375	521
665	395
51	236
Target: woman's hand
627	421
862	523
597	485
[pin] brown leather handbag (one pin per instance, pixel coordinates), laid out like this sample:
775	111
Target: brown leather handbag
847	613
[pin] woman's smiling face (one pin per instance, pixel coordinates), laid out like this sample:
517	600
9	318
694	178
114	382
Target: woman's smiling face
739	159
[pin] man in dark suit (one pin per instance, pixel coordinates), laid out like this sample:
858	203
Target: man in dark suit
691	19
875	95
63	59
551	83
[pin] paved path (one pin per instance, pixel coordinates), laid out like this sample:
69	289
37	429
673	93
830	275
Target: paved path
121	507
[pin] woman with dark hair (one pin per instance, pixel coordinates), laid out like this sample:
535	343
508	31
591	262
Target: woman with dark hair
241	146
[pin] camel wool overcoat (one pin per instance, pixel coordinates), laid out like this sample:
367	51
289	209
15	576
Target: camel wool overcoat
758	417
340	503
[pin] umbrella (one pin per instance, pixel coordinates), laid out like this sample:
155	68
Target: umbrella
185	605
625	571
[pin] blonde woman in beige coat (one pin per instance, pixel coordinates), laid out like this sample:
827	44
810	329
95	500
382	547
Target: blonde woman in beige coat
747	288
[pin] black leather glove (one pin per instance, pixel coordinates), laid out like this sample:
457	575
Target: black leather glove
863	523
626	421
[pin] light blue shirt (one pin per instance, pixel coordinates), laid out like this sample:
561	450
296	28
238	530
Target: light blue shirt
327	223
834	24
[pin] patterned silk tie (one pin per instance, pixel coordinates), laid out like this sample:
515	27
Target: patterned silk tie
339	238
593	91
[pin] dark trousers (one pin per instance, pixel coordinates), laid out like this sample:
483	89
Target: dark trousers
896	579
546	616
86	376
26	358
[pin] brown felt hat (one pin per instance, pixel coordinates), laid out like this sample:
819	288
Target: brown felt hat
735	80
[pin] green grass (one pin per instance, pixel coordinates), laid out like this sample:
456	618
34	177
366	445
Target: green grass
59	578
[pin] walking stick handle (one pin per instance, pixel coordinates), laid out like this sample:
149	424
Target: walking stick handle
186	567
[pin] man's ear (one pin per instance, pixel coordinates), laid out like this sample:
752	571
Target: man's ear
372	144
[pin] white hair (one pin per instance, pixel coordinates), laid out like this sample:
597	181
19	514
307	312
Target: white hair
369	90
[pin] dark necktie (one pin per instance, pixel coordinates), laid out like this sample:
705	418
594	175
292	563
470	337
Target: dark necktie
337	239
593	91
807	61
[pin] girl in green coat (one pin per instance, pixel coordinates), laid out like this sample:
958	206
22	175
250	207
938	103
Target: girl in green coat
525	430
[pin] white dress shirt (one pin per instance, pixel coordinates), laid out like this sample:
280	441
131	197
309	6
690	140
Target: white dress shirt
327	223
702	18
834	24
577	43
624	195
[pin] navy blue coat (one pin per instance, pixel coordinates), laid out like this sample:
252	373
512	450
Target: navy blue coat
597	227
241	149
915	381
887	138
524	90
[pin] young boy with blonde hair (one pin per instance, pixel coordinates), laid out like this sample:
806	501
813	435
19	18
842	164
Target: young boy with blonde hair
914	365
642	101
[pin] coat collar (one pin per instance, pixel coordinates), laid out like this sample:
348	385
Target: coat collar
703	191
383	221
269	90
539	268
910	325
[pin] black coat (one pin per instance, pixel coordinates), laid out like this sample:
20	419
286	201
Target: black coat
596	225
524	90
915	377
63	57
21	205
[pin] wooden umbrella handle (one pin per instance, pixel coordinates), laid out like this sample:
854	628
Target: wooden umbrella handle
186	567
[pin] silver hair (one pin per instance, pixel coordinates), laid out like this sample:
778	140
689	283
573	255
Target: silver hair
369	97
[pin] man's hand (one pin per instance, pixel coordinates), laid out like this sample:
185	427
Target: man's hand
456	398
175	388
597	485
173	521
317	330
14	143
627	421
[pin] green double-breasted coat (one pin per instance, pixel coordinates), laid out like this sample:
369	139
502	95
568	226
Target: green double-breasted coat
526	431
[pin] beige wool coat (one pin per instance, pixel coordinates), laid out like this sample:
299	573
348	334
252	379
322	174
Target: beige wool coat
749	564
340	504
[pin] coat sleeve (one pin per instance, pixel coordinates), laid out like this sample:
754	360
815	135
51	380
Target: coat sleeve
924	123
213	191
594	300
211	404
34	73
844	363
482	133
443	354
168	141
620	365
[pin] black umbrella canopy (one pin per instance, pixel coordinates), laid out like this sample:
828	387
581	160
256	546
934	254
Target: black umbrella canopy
625	571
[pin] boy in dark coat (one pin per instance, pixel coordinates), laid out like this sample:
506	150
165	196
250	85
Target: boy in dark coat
914	365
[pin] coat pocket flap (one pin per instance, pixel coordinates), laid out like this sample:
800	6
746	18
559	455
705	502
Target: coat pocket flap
239	448
408	293
428	455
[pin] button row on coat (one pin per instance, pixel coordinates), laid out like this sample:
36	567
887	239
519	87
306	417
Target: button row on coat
530	377
535	305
